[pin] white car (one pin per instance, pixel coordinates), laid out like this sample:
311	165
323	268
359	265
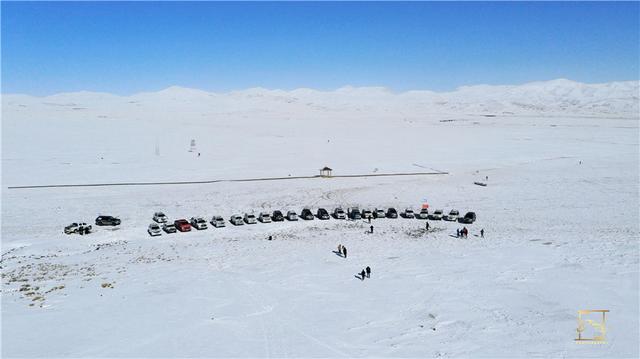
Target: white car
379	213
264	217
81	228
424	214
452	216
292	216
408	213
198	223
154	230
160	217
436	215
338	213
236	220
217	221
250	219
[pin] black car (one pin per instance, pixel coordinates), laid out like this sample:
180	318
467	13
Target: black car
322	214
277	216
306	214
107	221
468	218
392	213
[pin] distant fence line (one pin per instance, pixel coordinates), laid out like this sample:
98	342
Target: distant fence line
226	180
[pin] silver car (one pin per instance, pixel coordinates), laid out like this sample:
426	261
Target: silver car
160	217
199	223
408	213
217	221
169	228
154	230
291	216
250	219
436	215
264	217
424	214
379	213
236	220
452	216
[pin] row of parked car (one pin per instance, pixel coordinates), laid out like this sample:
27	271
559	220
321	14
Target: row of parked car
354	213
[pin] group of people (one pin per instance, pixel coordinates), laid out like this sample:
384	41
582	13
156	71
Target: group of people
464	233
342	250
366	273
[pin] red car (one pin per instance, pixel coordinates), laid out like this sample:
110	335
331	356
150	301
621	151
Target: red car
182	225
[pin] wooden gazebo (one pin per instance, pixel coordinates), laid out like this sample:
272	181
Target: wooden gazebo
325	172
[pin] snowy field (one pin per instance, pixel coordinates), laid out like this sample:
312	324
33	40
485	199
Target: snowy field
560	215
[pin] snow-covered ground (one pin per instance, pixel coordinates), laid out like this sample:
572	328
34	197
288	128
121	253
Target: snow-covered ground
560	214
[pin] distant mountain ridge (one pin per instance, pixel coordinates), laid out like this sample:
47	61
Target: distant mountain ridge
561	97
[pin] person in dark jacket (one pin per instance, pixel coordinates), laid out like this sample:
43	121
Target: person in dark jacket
371	228
457	233
362	274
368	272
482	233
344	251
427	226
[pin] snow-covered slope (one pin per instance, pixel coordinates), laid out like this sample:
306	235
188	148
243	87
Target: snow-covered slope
557	97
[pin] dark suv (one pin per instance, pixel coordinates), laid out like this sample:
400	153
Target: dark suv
392	213
468	218
322	213
277	216
107	221
306	214
354	213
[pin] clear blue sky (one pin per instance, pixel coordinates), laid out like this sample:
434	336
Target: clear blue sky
129	47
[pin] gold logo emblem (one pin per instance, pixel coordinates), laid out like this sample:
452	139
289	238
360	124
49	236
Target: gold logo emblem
592	326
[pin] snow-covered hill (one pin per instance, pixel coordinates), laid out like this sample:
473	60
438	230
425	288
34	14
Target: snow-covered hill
556	97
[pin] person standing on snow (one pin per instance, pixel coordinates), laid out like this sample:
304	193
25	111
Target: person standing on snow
457	233
362	274
371	228
427	226
368	272
344	251
482	233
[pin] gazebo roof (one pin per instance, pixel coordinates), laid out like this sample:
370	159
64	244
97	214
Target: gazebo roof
326	169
